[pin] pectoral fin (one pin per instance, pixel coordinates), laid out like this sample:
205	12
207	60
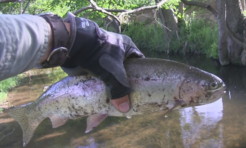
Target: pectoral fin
94	121
57	121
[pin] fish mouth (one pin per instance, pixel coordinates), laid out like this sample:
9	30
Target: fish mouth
209	97
215	94
222	88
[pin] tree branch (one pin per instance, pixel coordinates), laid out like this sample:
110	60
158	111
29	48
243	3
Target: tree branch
90	7
122	12
116	10
157	6
202	5
96	7
82	9
6	1
28	3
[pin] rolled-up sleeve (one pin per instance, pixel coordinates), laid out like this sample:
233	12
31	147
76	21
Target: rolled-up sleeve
23	42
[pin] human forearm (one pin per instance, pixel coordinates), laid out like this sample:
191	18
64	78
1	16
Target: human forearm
24	42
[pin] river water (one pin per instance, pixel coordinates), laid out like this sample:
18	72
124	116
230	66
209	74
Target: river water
221	124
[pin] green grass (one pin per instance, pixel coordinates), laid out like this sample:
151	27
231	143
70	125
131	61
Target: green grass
52	75
56	74
195	37
6	85
202	38
146	37
3	96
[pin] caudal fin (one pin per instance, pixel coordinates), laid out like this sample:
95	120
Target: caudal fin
27	119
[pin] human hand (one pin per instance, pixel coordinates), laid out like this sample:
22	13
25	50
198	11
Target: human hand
103	53
122	104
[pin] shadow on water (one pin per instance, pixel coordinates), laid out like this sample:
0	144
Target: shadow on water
221	124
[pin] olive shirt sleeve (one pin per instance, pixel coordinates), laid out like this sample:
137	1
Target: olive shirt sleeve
23	42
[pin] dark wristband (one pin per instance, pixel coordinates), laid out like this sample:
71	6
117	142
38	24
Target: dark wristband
60	39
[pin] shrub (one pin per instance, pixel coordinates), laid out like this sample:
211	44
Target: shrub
5	85
202	37
195	37
146	37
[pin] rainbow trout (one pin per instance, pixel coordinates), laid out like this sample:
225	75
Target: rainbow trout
157	85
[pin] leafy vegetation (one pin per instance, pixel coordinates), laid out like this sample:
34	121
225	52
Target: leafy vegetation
244	13
148	37
199	37
6	85
56	74
195	37
52	75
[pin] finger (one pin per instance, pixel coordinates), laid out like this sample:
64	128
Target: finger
121	104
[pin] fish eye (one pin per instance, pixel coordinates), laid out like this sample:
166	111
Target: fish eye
213	85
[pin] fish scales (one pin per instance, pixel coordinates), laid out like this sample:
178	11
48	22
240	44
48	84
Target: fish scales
157	84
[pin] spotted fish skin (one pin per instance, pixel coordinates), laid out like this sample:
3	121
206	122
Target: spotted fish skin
157	85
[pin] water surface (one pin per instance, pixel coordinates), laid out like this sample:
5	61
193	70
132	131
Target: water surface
221	124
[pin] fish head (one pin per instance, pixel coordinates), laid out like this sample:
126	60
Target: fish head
199	88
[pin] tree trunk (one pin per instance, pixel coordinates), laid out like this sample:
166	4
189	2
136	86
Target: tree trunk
230	21
222	45
234	18
242	5
166	37
232	29
169	23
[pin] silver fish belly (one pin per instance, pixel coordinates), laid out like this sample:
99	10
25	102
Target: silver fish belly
157	84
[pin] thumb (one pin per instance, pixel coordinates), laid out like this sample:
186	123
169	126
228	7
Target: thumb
121	104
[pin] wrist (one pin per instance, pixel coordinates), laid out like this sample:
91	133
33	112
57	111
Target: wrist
57	51
50	41
68	26
48	50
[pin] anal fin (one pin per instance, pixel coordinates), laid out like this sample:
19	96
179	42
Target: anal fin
94	121
58	121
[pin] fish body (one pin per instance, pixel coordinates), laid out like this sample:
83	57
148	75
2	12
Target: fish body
157	84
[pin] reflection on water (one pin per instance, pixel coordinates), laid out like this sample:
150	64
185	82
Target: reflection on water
92	144
194	120
221	124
